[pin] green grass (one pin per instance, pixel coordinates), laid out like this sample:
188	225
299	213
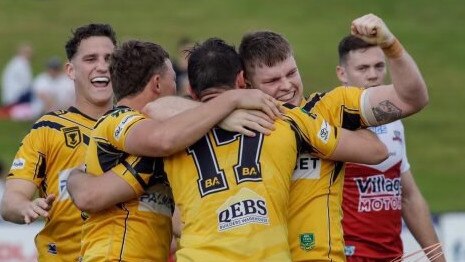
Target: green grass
431	30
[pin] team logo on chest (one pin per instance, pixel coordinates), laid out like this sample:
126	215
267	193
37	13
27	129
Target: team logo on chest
72	136
246	207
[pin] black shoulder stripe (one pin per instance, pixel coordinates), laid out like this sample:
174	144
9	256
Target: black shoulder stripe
337	171
302	145
86	139
49	124
310	104
135	174
159	175
351	121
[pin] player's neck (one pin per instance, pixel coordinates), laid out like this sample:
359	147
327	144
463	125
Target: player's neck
93	110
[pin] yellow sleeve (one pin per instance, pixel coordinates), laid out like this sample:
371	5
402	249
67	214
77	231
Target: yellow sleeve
341	107
140	172
30	160
116	125
315	131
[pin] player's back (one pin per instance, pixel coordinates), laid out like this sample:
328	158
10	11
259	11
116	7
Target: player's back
55	145
139	229
315	212
233	190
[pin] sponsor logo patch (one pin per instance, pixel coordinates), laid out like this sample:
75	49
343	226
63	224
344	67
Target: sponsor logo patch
18	163
246	207
307	241
119	129
324	132
62	181
378	193
397	136
307	167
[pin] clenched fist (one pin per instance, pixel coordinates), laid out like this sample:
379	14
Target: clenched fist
372	30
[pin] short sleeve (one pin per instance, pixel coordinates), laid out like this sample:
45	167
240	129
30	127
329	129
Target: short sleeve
321	137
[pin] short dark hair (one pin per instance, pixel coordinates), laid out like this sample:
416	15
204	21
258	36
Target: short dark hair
213	63
133	64
351	43
263	48
85	32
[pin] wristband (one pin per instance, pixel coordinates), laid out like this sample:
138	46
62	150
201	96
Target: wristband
394	50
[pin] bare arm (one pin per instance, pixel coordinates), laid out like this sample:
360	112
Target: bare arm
240	120
167	107
162	138
416	214
95	193
18	205
408	94
361	146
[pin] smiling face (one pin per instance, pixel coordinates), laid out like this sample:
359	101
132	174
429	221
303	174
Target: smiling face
281	81
89	70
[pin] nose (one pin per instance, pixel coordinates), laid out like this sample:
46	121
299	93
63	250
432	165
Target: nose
102	65
372	74
286	85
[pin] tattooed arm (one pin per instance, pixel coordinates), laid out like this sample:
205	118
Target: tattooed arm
408	94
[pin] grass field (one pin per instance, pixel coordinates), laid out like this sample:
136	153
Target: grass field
431	31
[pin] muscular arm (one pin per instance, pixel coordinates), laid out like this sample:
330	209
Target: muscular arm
416	214
95	193
361	146
18	205
408	94
162	138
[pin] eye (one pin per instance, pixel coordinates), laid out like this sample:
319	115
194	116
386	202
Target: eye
269	81
292	73
380	66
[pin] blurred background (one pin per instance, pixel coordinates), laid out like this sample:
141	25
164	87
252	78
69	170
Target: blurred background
430	30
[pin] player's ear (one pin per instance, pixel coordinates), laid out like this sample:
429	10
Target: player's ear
192	93
240	80
341	74
69	70
155	83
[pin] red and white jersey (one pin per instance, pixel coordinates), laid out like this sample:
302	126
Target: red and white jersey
372	199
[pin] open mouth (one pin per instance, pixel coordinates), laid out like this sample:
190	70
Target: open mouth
100	81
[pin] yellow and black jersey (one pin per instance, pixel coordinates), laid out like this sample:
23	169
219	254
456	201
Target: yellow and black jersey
139	229
233	190
315	211
56	144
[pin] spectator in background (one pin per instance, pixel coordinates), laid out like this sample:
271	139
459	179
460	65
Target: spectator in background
53	88
17	77
180	66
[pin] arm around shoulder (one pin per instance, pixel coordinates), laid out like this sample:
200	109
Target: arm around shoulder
360	146
89	194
